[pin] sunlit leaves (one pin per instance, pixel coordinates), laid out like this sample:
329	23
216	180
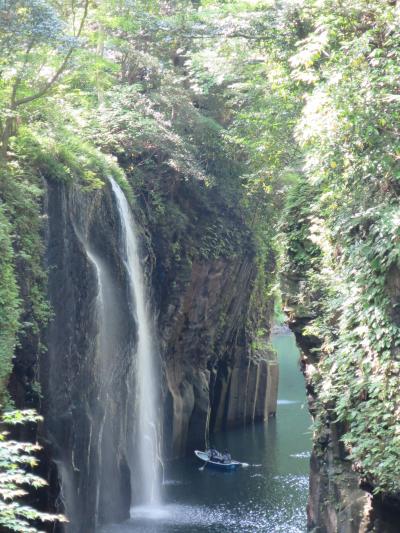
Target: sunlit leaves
349	136
17	459
31	35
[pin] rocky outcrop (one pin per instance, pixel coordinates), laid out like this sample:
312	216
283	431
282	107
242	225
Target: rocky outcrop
213	378
86	371
204	279
339	502
246	393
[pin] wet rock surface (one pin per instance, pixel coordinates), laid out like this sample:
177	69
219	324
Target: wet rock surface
216	371
86	374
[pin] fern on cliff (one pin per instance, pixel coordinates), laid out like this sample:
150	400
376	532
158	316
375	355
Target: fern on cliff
349	135
9	303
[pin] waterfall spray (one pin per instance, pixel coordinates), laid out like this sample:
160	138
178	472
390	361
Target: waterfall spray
146	384
100	450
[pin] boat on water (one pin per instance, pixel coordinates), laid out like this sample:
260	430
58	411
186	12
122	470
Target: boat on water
217	461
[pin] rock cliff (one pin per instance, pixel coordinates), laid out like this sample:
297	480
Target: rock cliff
86	373
216	367
218	373
213	379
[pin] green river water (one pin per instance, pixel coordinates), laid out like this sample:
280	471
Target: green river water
269	496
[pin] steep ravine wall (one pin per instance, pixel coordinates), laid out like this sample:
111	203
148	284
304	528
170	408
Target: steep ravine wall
338	501
213	379
218	373
86	374
213	374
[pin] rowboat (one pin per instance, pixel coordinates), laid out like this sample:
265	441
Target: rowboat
220	465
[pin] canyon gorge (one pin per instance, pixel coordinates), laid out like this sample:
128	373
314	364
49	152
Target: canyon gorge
177	180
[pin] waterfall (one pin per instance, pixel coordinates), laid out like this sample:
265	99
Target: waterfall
104	350
147	457
108	314
105	393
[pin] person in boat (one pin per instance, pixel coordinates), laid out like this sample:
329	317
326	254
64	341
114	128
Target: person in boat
213	453
226	457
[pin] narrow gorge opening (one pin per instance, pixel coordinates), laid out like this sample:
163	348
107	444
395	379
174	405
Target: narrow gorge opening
173	173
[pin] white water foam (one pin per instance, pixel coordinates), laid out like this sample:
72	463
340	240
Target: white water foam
187	518
147	460
301	455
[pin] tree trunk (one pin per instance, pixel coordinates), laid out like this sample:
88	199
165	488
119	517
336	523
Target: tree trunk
6	134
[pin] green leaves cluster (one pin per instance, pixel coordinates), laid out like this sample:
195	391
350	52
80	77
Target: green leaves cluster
9	303
348	245
359	372
17	459
35	48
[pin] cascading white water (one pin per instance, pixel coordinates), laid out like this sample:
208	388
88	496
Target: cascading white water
108	313
103	352
147	460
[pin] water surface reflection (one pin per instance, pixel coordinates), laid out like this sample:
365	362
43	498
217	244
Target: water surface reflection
269	496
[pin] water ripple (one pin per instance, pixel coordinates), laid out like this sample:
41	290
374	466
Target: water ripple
220	519
301	455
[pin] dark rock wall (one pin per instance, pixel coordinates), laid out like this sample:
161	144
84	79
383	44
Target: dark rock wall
211	306
212	374
213	378
86	433
338	501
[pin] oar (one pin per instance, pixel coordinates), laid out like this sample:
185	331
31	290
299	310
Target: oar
203	467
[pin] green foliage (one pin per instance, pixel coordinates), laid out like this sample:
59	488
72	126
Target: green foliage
59	155
35	47
25	21
9	303
21	194
300	250
359	371
345	251
17	459
140	126
279	315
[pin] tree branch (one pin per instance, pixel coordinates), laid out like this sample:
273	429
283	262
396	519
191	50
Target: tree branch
18	79
61	68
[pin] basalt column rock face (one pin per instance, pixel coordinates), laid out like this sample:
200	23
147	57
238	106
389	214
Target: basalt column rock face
204	282
213	379
87	371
